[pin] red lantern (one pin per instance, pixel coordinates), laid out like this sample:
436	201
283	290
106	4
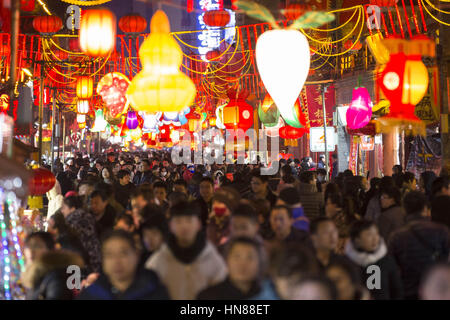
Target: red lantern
133	23
237	114
27	5
291	134
42	181
47	24
216	18
295	10
212	55
384	3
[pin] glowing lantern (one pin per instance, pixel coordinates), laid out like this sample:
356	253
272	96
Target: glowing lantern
283	60
160	86
47	24
97	32
268	112
112	88
212	121
219	117
404	82
213	55
81	118
85	87
99	122
42	180
352	46
82	106
216	18
194	121
133	23
136	134
291	134
132	121
237	114
360	111
164	134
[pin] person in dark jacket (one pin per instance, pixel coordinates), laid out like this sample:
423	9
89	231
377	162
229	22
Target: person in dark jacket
367	249
289	197
121	279
123	188
260	188
144	175
440	210
392	215
206	191
244	262
311	199
419	243
46	278
104	213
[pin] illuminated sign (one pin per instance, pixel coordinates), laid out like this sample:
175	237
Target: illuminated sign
317	139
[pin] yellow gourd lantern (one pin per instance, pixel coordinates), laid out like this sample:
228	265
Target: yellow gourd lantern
160	86
97	32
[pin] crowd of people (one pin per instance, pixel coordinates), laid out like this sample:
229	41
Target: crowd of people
140	227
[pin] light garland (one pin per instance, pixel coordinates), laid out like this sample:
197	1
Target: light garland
44	7
86	3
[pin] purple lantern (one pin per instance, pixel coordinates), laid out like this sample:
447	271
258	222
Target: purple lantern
360	110
132	121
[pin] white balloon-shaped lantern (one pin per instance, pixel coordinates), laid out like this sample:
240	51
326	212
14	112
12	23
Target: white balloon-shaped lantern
283	60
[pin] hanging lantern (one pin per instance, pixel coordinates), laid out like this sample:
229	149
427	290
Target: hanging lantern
216	18
384	3
212	121
85	87
194	121
404	82
283	61
213	55
291	134
237	114
112	87
360	111
97	32
42	180
295	10
268	112
47	25
82	106
133	23
74	44
132	121
81	118
99	123
82	125
160	86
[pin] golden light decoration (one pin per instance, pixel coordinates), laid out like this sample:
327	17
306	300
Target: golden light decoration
82	106
97	32
81	118
160	86
85	87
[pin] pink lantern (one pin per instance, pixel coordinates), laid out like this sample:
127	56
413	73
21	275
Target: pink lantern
360	110
132	121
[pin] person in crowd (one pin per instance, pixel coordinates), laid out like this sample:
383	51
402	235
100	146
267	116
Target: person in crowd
374	206
206	191
321	180
245	269
188	263
306	164
314	288
426	183
46	278
260	187
244	222
121	278
435	284
334	166
36	244
373	191
347	279
367	249
123	188
441	187
392	215
153	233
85	188
144	174
104	213
55	199
160	192
139	198
116	168
84	224
418	244
310	198
180	185
440	208
176	197
397	175
321	162
409	183
107	175
125	222
290	197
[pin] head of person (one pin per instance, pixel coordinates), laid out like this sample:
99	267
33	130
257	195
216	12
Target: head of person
111	157
289	197
116	168
365	236
139	199
163	172
314	288
120	257
70	204
441	187
185	223
390	196
206	188
281	221
435	284
180	186
346	277
397	169
308	177
439	210
286	171
124	177
415	203
324	234
176	197
99	165
224	201
85	188
145	165
259	183
244	221
160	191
36	244
244	260
107	173
334	204
426	181
375	183
348	173
98	201
154	231
137	159
125	222
409	180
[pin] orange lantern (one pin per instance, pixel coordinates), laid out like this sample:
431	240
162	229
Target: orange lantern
133	23
212	121
216	18
42	180
97	32
85	87
237	114
291	134
194	121
47	24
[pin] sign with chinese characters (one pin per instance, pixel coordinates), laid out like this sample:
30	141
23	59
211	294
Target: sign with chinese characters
210	38
317	139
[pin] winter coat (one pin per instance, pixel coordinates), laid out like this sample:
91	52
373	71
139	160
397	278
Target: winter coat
373	210
107	221
84	224
413	248
311	200
55	200
123	193
226	290
390	283
141	178
146	286
184	280
390	220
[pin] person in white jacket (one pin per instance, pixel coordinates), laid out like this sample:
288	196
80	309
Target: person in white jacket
55	200
187	263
